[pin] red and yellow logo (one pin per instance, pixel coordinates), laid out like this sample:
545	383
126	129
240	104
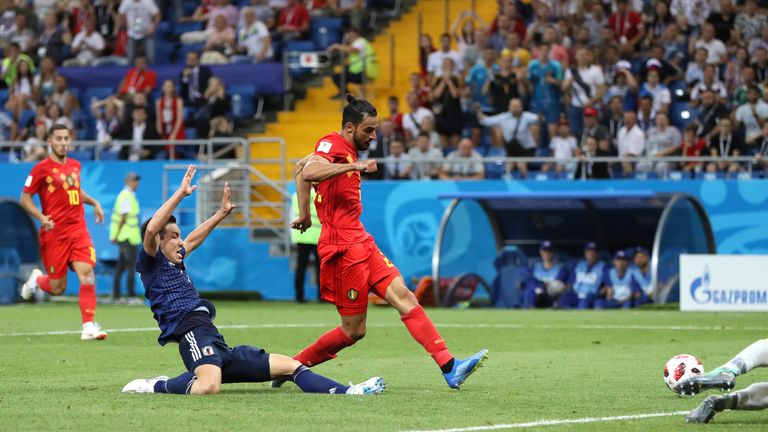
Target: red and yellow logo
352	294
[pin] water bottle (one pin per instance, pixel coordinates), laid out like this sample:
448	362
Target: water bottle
237	105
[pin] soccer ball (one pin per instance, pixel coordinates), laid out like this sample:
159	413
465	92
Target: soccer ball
680	368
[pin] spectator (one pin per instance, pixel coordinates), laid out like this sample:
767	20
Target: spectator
545	76
216	103
220	43
520	55
542	21
585	86
499	35
63	97
690	14
362	65
23	35
423	92
397	165
170	113
436	60
87	46
36	146
716	51
692	146
760	65
519	132
142	18
620	284
293	21
694	74
587	168
449	119
630	140
674	50
710	112
515	21
663	140
503	85
563	147
627	26
747	80
21	95
138	99
379	148
463	164
43	8
710	83
116	44
480	74
194	80
44	83
734	74
221	127
725	144
412	120
135	133
646	115
11	63
138	79
108	121
425	160
395	116
658	22
660	95
761	155
207	12
544	281
426	48
751	116
642	273
124	231
750	22
613	120
557	50
52	39
254	45
105	12
595	129
723	20
466	39
585	281
667	72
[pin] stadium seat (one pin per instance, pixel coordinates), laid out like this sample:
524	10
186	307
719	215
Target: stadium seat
543	176
26	116
164	29
108	155
710	176
5	156
191	133
81	155
325	31
646	176
181	56
294	50
242	100
678	175
180	28
164	52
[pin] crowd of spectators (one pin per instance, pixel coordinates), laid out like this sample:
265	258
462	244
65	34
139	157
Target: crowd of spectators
570	80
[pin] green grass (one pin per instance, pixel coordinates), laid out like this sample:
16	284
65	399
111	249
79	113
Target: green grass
543	365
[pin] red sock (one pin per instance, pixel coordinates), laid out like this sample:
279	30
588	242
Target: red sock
87	302
44	282
425	333
324	348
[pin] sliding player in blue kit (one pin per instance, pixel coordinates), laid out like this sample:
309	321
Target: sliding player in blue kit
185	318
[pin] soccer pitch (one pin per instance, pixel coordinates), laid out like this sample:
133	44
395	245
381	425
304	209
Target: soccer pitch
547	370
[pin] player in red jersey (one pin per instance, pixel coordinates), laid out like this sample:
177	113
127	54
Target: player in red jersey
64	238
351	264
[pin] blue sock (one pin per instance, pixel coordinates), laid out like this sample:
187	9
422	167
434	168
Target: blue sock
182	384
310	382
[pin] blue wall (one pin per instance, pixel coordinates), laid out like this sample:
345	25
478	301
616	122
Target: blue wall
403	217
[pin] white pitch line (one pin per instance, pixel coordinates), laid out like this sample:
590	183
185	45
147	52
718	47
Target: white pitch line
541	423
468	326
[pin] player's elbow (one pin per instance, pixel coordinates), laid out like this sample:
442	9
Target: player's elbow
309	176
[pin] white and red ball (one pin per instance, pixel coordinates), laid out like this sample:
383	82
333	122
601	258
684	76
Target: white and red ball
680	368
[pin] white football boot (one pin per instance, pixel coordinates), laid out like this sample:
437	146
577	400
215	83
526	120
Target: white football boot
92	331
371	386
30	286
143	385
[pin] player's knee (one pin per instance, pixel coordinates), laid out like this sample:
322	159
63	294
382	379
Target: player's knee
355	333
207	387
87	277
58	286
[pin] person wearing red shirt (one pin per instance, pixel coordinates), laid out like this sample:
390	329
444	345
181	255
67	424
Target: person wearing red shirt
64	238
351	264
627	26
138	79
293	20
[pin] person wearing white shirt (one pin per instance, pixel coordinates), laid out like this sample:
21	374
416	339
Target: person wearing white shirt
435	59
142	18
630	140
586	84
564	147
660	94
425	159
253	41
413	120
464	163
519	131
87	45
710	82
690	14
398	165
716	52
752	114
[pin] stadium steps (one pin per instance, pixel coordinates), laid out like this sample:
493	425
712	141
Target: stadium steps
318	114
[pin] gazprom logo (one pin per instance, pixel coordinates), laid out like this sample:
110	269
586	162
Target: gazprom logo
703	293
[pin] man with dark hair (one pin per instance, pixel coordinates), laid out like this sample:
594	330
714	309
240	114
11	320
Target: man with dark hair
64	238
185	318
351	264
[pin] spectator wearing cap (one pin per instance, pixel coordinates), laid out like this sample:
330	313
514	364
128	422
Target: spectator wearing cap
726	143
717	54
751	22
544	281
592	127
463	164
585	280
751	116
588	169
435	61
545	76
710	112
518	129
710	82
563	147
630	140
624	85
663	140
584	86
124	231
660	94
627	26
668	73
619	284
641	270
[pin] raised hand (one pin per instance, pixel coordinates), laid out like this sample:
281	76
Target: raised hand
226	200
186	186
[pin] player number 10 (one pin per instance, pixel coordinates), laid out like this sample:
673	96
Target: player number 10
74	197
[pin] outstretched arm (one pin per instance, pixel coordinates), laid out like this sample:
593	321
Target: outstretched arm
97	210
198	236
318	168
161	216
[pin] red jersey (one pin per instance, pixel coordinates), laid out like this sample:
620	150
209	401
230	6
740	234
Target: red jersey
627	25
59	188
338	200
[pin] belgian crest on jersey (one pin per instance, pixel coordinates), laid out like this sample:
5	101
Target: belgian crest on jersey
352	294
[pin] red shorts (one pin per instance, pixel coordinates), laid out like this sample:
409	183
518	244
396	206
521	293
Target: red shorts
348	272
59	251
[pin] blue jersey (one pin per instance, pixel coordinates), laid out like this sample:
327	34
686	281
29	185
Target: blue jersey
643	279
543	92
538	275
476	79
622	286
587	279
169	290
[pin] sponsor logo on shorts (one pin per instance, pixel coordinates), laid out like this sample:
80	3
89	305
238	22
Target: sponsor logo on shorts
352	294
207	351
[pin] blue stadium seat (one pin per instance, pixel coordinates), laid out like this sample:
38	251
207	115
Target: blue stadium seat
710	176
180	28
646	176
190	132
242	100
164	52
26	116
325	31
164	29
108	155
543	176
5	156
681	114
81	155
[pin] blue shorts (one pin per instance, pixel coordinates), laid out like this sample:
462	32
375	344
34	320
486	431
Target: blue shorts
204	345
